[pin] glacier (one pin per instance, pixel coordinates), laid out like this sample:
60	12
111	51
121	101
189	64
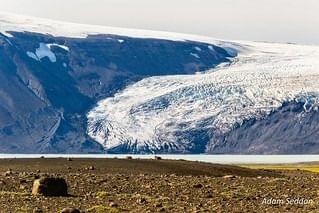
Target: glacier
155	113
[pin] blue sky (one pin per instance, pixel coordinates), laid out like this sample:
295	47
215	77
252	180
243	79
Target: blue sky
262	20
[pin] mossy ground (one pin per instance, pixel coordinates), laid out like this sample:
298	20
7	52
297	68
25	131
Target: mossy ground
311	167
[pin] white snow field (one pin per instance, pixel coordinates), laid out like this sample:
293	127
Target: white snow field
21	23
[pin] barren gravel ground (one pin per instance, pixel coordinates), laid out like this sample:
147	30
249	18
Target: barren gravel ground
114	185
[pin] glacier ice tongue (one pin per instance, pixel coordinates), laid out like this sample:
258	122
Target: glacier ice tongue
157	110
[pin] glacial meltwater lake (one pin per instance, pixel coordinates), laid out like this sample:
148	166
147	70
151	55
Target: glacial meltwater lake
220	159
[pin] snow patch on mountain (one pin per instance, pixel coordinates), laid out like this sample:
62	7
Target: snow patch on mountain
157	110
195	55
44	50
33	56
198	49
60	46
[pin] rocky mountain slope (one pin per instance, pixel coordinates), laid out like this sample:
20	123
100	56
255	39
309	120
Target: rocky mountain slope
70	88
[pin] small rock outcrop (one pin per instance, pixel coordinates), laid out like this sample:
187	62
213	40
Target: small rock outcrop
198	186
70	210
50	186
113	204
158	158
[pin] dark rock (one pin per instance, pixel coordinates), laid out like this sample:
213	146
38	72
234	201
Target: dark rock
142	200
50	186
162	209
112	204
129	157
199	185
69	159
36	176
209	195
158	158
70	210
